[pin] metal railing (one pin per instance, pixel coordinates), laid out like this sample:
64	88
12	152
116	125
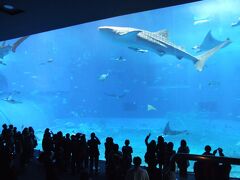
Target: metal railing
201	158
218	159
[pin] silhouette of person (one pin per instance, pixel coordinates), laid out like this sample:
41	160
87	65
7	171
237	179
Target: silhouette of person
93	151
108	153
161	148
116	163
183	163
223	169
74	150
108	148
67	151
169	166
127	155
150	155
137	173
208	151
205	170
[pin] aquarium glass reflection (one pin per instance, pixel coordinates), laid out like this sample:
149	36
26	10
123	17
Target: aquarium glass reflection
172	71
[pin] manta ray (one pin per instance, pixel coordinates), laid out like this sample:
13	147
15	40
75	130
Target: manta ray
168	131
157	42
6	49
9	96
210	42
151	108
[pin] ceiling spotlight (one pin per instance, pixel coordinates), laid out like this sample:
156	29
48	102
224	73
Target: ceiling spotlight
9	9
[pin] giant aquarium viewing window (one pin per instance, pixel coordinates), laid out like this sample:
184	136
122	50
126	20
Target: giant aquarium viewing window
172	71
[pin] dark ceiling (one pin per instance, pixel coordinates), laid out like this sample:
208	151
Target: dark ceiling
44	15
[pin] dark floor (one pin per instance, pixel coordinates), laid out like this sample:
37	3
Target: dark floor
35	171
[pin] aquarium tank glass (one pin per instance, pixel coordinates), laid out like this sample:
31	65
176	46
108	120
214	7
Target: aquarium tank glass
172	71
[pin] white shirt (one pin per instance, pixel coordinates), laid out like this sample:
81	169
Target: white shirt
137	174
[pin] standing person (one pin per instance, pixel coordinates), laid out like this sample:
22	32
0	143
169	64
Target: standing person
169	166
67	151
108	153
137	173
183	163
205	170
150	155
93	151
161	146
127	155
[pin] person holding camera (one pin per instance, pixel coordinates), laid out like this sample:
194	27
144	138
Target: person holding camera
93	152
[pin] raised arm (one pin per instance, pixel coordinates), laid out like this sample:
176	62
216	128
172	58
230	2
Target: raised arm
146	139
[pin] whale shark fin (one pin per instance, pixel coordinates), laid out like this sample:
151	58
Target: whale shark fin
163	33
18	42
203	57
166	129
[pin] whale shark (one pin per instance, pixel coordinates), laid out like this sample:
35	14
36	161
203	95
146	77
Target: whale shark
157	42
168	131
210	42
6	49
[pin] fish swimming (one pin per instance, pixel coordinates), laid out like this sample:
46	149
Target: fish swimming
118	96
157	42
237	23
138	50
151	108
47	62
10	100
214	83
103	77
6	49
3	63
201	21
168	131
210	42
120	59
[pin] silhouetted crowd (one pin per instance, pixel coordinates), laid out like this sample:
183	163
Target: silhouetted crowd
79	156
16	150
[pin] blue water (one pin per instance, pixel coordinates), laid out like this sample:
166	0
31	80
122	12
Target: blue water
55	76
